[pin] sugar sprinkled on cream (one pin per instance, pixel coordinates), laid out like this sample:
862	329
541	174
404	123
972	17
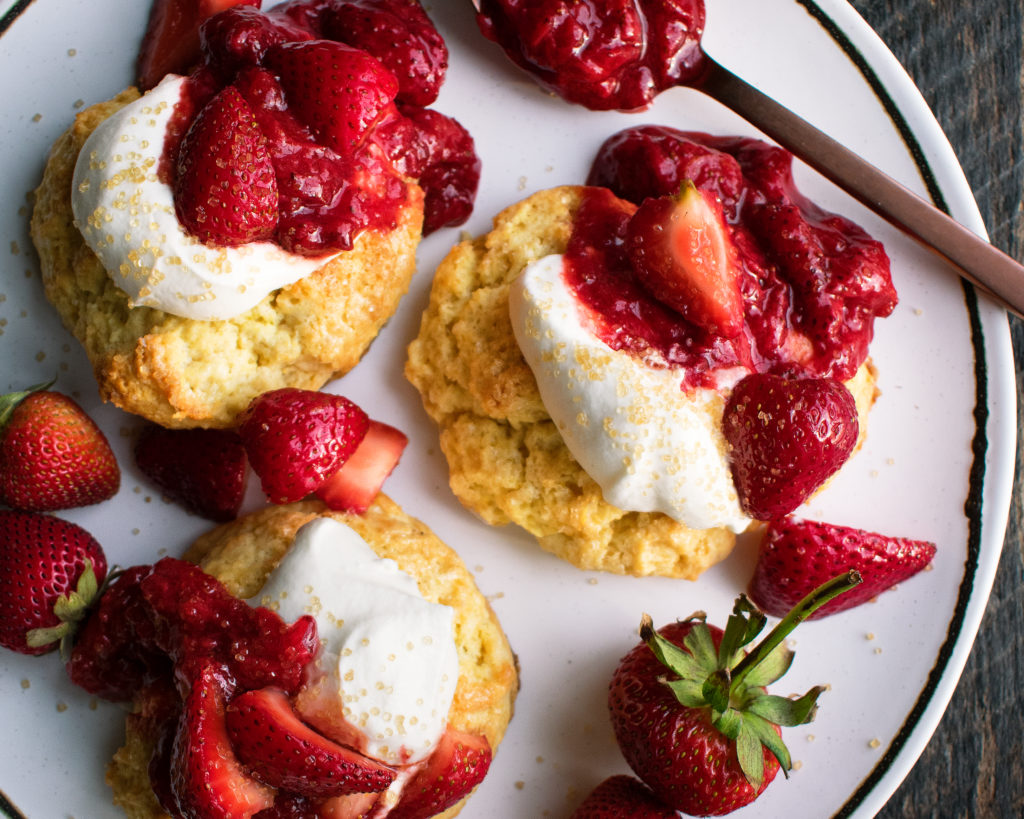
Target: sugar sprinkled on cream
649	445
126	215
389	659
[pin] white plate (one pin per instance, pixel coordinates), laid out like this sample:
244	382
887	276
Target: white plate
938	461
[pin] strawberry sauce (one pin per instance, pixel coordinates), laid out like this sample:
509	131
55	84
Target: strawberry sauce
614	54
337	92
812	282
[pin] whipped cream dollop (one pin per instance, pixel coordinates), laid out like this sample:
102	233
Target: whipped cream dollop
126	215
388	659
649	445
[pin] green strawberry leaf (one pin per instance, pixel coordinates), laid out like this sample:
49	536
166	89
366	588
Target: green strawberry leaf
768	737
775	664
689	693
750	755
784	711
683	663
699	643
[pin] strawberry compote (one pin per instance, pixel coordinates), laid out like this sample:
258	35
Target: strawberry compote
613	54
159	623
812	282
330	110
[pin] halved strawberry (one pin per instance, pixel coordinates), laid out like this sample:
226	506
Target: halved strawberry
205	470
786	438
681	251
240	36
798	555
284	752
458	764
338	91
171	42
353	487
206	777
225	189
296	438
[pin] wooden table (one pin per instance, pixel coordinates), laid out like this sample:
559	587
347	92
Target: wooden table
967	58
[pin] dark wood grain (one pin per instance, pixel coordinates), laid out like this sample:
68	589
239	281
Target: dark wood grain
966	57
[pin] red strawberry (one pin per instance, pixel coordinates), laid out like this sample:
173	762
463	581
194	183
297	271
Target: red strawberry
691	714
225	189
339	92
681	252
284	752
52	455
786	437
50	574
399	34
171	42
797	555
296	439
353	487
241	35
622	797
206	777
205	470
458	764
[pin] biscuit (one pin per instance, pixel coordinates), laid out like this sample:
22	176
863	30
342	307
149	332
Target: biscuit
507	461
242	554
182	372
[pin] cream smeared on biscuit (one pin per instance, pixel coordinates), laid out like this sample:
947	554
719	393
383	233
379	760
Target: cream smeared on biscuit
649	445
387	671
126	215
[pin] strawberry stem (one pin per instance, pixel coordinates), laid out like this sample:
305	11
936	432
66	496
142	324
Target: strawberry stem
800	612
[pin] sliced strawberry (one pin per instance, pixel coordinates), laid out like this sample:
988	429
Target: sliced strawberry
797	555
399	34
225	186
622	797
284	752
458	764
681	251
205	470
353	487
206	777
296	438
786	437
171	42
339	92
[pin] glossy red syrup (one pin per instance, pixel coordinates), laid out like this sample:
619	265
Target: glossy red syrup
156	624
602	54
325	199
812	282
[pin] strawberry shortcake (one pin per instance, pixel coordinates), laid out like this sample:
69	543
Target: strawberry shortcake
227	232
602	362
314	663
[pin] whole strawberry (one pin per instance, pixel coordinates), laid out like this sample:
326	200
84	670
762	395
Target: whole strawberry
296	439
797	555
205	470
691	714
52	455
50	573
622	797
786	438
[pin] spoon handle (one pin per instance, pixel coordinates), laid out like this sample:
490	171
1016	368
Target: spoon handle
976	260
